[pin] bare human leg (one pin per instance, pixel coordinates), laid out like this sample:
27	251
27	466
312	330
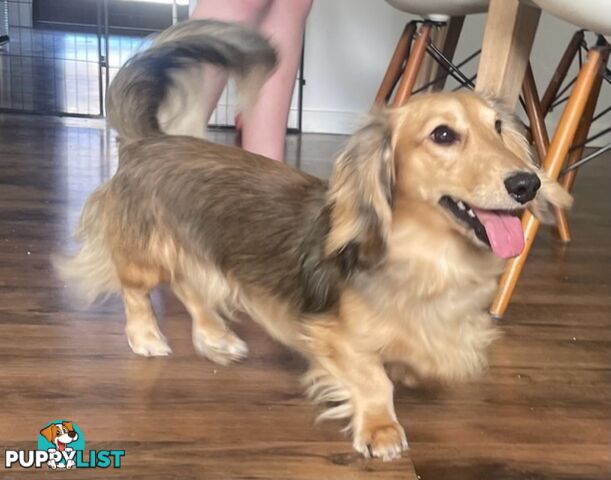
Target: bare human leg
264	126
283	21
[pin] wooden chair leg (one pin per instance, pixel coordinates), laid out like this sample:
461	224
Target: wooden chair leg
395	67
560	74
583	129
562	140
535	114
582	135
445	37
448	47
539	134
406	85
427	70
562	225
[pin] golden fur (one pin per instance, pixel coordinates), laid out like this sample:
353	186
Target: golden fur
366	276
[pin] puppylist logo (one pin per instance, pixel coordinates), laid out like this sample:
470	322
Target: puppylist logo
61	445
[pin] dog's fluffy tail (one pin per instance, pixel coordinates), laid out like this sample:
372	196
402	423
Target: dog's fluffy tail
164	88
91	271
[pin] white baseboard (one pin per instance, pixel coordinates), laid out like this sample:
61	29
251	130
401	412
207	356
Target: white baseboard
323	121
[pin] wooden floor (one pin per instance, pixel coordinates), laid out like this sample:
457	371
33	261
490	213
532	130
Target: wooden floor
542	412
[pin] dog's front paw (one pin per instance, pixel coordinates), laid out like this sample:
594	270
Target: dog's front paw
147	341
383	441
224	350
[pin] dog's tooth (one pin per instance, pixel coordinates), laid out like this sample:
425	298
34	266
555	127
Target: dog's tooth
460	205
471	213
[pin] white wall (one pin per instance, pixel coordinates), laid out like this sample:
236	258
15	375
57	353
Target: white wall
348	45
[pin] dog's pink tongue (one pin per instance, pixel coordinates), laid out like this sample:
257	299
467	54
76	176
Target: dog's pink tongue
504	232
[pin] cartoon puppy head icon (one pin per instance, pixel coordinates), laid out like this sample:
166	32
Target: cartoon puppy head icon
60	434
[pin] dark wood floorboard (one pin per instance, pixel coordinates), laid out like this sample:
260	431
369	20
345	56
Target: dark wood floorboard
541	412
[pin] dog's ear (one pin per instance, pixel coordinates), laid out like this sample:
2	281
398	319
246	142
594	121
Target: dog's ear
361	195
68	426
551	194
49	432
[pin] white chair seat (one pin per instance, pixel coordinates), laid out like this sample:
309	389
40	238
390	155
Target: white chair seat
594	15
440	10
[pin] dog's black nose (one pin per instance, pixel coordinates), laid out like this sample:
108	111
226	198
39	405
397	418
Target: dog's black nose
72	434
522	186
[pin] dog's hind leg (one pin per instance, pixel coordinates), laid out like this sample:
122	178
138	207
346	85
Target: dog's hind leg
212	337
141	327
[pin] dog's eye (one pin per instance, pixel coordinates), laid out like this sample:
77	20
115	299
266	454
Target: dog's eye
498	126
444	135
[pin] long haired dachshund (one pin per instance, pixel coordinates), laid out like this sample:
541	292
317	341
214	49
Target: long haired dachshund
384	272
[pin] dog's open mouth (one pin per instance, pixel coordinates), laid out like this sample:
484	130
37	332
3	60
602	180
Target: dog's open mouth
500	230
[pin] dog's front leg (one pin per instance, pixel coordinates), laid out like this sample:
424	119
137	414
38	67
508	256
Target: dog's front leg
375	429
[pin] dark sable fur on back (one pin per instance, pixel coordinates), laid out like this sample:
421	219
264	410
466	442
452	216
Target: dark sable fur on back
261	222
